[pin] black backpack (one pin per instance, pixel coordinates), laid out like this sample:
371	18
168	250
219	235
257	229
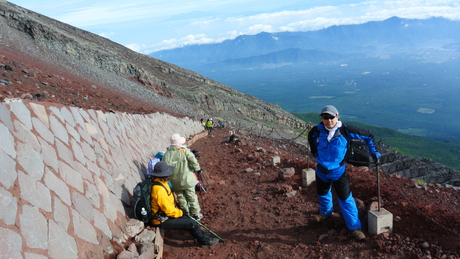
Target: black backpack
357	150
141	200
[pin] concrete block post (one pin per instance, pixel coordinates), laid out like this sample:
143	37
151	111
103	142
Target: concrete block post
308	176
380	221
275	160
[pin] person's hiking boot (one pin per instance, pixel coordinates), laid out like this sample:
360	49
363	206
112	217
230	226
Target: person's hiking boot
322	218
211	242
357	234
198	216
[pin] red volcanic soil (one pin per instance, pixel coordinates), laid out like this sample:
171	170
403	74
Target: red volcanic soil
256	213
32	79
260	216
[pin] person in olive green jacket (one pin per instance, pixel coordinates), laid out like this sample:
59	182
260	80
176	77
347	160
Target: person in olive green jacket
183	179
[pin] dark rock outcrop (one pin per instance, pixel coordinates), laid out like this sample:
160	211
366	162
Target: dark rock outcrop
393	162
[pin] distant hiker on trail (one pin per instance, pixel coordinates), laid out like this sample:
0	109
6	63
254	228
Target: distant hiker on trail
203	123
329	147
183	179
168	215
157	158
220	124
209	125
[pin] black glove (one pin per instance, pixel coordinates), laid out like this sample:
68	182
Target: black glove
198	172
184	213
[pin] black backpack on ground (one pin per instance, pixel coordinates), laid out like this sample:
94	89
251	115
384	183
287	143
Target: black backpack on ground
141	200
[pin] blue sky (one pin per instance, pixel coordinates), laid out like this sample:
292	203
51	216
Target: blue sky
151	25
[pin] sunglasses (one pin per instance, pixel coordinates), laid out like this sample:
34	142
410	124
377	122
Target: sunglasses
326	117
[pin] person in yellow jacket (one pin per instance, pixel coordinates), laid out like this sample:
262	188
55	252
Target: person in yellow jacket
168	216
209	125
183	179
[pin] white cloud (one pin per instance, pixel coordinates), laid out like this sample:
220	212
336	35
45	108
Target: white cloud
97	15
106	34
174	43
259	28
136	47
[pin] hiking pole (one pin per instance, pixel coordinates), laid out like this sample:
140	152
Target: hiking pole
202	188
200	197
204	181
210	231
377	164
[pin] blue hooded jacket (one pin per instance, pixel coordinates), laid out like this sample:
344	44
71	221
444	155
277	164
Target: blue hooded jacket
330	155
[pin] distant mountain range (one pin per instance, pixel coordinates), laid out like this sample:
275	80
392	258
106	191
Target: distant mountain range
393	34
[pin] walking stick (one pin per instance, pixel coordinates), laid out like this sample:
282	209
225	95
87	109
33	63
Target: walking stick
210	231
377	164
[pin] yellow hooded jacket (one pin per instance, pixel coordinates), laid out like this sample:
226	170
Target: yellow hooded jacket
163	199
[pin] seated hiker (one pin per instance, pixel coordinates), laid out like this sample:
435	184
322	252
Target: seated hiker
168	215
157	158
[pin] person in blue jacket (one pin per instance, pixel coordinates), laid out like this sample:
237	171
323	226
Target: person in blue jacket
329	147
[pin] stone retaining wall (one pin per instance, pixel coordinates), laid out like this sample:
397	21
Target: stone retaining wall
67	175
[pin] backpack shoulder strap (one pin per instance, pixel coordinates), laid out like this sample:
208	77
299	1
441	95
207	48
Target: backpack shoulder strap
157	214
158	183
344	131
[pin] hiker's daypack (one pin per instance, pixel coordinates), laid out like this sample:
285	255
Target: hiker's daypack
357	150
141	200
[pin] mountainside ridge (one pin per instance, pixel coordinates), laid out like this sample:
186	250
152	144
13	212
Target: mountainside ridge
178	89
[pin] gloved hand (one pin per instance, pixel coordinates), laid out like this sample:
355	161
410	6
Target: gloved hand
376	157
184	213
198	172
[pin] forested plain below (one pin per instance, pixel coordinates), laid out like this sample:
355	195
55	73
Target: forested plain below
410	105
403	94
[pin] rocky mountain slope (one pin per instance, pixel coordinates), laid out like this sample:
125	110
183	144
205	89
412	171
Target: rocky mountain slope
43	59
108	64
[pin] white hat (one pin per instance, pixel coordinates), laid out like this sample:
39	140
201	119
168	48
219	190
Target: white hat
176	139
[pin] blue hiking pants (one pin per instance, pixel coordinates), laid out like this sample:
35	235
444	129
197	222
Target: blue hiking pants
337	178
